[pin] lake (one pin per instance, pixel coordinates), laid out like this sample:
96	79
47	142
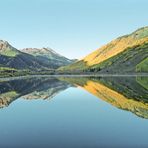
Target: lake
67	112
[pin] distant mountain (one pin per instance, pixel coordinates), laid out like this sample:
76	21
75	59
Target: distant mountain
13	58
30	59
128	53
49	57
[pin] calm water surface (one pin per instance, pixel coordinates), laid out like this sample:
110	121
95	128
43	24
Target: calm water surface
67	112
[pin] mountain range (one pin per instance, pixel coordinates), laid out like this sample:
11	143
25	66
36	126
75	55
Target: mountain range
48	57
127	54
30	59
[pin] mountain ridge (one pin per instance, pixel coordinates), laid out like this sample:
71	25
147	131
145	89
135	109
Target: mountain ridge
15	59
48	56
109	51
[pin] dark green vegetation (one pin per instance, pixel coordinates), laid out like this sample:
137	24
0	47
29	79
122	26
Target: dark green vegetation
11	72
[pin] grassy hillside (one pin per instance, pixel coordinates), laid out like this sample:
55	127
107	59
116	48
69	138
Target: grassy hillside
10	53
117	46
121	55
128	61
142	66
75	67
124	62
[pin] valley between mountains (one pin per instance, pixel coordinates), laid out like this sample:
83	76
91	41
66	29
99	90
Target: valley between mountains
127	54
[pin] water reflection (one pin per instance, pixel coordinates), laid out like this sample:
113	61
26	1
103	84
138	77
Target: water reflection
30	88
127	93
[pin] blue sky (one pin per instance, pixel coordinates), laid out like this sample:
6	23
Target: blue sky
73	28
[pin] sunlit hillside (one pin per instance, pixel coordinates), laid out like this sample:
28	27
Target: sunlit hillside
121	55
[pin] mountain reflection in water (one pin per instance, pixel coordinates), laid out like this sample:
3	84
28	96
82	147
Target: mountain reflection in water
127	93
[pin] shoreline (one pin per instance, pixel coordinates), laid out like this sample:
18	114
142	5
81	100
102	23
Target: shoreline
75	75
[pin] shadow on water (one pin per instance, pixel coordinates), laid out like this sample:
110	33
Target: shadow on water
127	93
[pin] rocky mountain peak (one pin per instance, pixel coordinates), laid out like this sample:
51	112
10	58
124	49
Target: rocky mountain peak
38	50
4	44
